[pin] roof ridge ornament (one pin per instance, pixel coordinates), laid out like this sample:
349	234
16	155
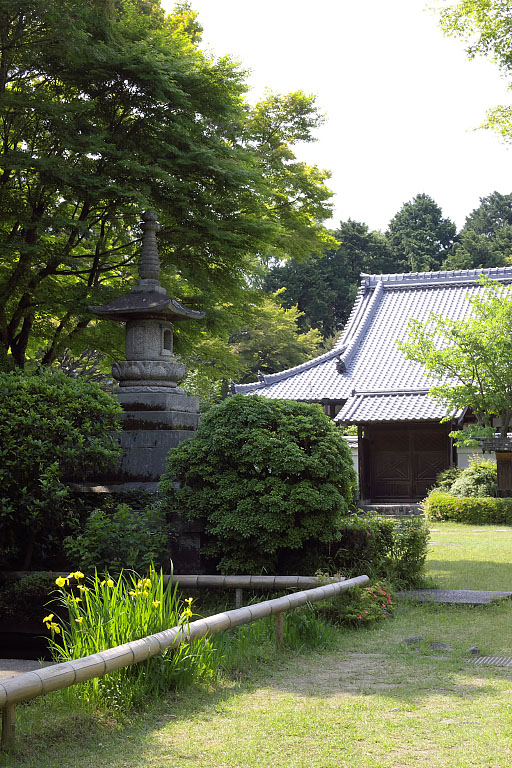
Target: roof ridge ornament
149	263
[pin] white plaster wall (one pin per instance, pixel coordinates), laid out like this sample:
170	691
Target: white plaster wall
465	455
352	443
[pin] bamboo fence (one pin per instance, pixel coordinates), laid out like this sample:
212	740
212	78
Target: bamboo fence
29	685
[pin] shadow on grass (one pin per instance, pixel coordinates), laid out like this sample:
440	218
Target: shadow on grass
367	663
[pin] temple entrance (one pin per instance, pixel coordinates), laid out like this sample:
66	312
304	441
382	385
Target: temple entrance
400	462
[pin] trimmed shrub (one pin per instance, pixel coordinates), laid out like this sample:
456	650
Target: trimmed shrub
392	549
51	428
469	509
123	538
479	479
268	478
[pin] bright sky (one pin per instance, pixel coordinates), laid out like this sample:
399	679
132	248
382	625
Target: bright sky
401	101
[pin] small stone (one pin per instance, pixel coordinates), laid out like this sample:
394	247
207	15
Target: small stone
413	640
475	650
441	646
396	709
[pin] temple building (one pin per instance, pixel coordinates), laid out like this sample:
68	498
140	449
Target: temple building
366	381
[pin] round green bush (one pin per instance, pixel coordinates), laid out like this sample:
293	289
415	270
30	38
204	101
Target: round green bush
479	479
52	428
268	478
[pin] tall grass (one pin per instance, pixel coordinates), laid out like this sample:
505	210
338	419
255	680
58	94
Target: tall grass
104	612
247	646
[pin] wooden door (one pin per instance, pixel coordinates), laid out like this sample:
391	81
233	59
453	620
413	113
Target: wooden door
404	459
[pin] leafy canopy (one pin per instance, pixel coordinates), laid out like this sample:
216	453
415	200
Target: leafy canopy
324	287
272	341
420	236
107	109
486	237
471	358
486	27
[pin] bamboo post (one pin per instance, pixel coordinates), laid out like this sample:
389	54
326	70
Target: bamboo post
239	597
8	726
279	629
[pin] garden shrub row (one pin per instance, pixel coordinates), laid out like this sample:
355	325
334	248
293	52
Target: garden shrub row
468	509
271	482
391	549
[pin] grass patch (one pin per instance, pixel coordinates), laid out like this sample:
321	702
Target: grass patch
372	701
470	556
369	702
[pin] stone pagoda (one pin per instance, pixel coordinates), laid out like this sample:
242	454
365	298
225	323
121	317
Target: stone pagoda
157	414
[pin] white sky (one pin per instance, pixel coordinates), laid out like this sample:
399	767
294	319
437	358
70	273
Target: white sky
401	100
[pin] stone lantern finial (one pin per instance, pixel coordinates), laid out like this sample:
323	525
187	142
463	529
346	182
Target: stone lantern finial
149	264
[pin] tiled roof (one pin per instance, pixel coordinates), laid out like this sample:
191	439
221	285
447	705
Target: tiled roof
365	407
366	368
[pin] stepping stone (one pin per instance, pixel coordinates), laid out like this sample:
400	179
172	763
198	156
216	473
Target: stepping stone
13	667
495	661
454	596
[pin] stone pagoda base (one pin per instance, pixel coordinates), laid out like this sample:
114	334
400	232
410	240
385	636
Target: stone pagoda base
154	421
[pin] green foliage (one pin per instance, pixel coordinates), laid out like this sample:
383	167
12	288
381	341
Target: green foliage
323	287
246	647
395	550
481	510
419	236
485	26
267	477
125	538
486	238
479	479
104	613
51	428
446	479
359	606
473	356
107	109
198	384
272	341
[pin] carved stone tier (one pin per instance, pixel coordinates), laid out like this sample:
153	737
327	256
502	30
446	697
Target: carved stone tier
145	452
156	399
149	340
154	373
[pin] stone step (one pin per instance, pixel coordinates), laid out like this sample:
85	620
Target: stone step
397	509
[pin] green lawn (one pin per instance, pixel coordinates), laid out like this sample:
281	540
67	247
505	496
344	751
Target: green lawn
471	556
371	702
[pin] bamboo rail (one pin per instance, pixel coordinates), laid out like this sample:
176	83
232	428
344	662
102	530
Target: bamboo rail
218	581
29	685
